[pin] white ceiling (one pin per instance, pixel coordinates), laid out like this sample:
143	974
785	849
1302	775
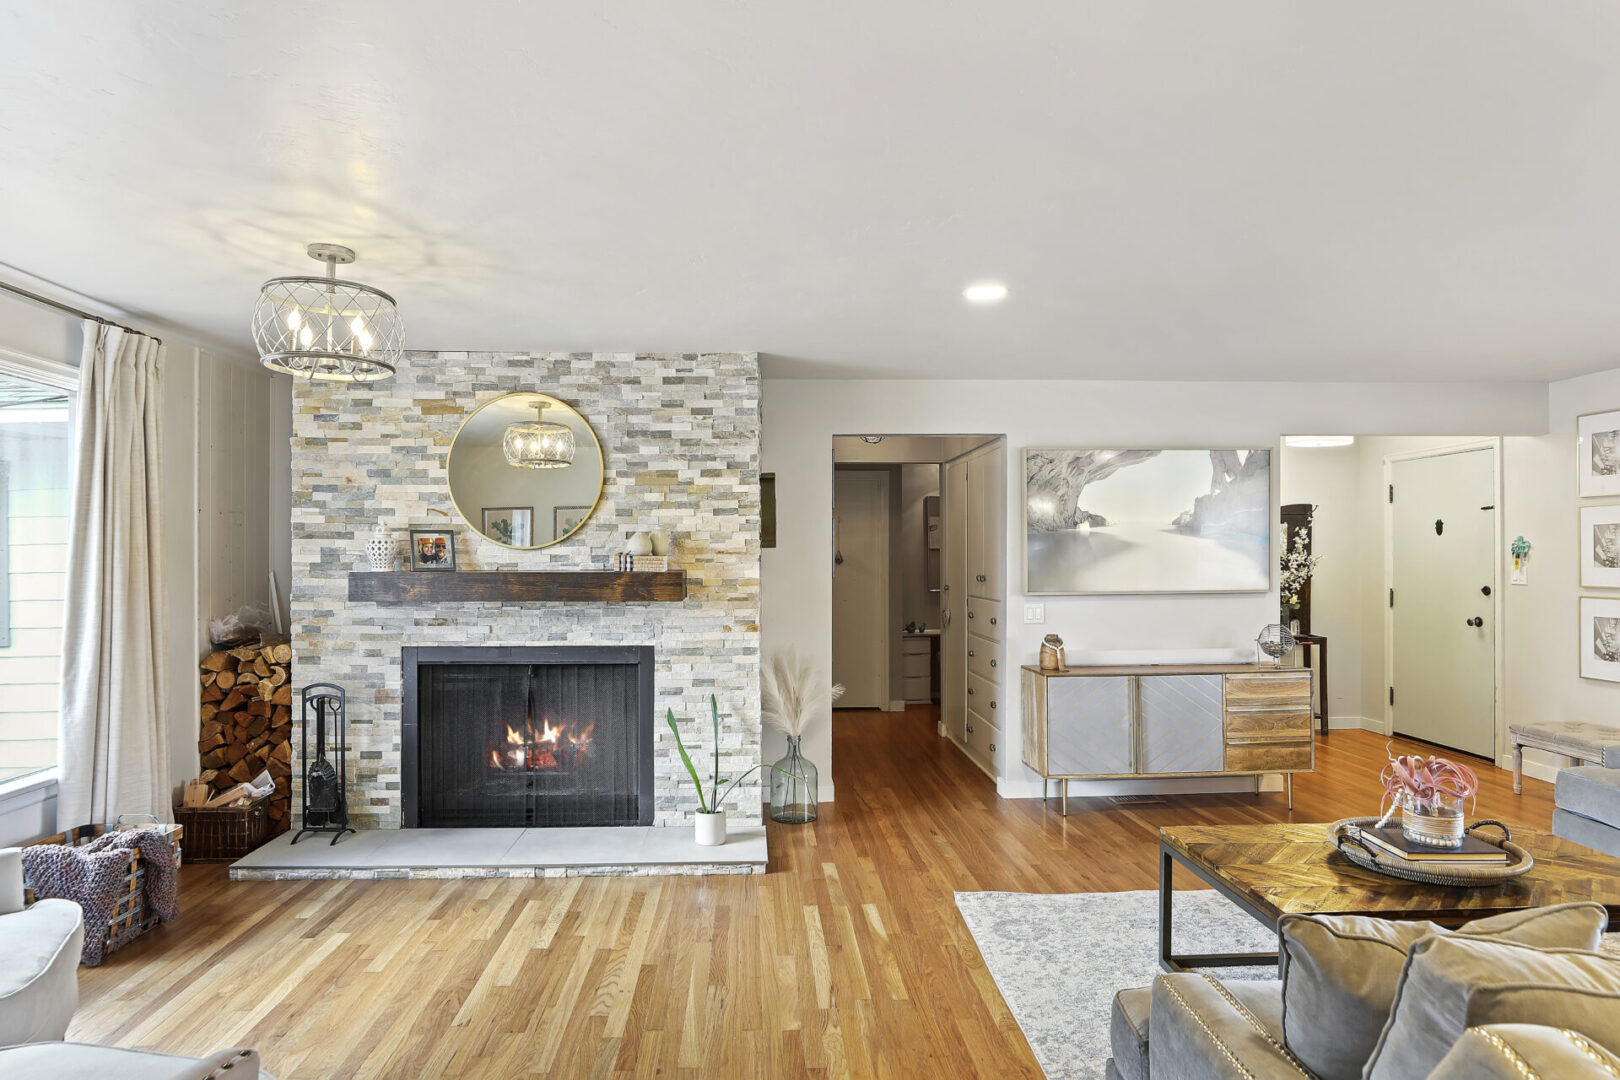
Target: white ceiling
1376	189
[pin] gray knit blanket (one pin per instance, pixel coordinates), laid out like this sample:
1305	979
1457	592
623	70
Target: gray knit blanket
95	877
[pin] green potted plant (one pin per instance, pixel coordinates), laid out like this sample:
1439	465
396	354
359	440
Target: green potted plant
710	819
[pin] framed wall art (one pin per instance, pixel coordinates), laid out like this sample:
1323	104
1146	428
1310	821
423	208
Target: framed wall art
1600	638
1147	521
1597	454
1599	547
565	519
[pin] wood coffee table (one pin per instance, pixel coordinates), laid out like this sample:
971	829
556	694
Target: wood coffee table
1274	870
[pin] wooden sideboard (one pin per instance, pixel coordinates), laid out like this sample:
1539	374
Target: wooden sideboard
1167	720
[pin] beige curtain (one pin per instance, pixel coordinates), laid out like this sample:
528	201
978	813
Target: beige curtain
114	721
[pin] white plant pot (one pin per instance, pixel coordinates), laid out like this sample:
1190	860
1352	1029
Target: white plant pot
710	828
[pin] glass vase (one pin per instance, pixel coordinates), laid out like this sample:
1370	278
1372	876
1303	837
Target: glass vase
1437	823
793	787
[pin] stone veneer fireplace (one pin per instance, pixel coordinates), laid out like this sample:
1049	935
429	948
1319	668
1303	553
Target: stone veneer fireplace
680	434
528	737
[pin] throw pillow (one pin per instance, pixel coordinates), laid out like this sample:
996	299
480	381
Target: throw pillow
1453	983
1340	973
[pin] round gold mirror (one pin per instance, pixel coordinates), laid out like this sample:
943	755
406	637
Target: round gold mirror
525	470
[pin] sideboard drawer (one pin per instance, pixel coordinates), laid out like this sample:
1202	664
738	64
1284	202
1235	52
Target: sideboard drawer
1267	757
1273	725
1282	689
984	697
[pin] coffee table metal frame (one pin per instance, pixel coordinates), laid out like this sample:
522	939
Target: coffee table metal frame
1172	963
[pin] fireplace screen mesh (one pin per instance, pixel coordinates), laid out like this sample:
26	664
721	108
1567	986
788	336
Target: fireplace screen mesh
531	745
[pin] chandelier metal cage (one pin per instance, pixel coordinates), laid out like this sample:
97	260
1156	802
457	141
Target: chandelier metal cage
328	328
538	443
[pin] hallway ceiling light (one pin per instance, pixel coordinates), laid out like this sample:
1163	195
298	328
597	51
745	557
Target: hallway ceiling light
538	443
326	327
872	440
1317	442
985	292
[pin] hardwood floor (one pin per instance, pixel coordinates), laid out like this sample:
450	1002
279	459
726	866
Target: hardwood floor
847	959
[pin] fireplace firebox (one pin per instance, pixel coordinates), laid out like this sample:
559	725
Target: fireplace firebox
528	737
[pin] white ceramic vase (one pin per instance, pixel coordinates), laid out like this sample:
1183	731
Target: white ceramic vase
660	541
639	544
380	548
710	828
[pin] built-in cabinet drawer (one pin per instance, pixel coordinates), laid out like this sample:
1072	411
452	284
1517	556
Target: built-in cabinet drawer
984	697
983	739
913	665
984	658
984	616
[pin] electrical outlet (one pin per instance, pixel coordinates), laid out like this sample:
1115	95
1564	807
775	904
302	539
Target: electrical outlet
1034	613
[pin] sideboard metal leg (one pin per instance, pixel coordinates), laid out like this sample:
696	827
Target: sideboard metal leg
1288	782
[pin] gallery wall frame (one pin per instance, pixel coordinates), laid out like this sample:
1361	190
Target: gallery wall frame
1070	551
1599	636
1598	545
1597	454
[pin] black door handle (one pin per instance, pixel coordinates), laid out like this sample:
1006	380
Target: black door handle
1476	621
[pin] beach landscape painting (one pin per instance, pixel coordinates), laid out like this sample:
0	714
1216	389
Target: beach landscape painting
1147	521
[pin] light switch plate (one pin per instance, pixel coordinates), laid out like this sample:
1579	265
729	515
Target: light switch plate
1521	575
1034	613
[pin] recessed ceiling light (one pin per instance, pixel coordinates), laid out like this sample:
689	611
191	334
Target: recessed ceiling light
1317	442
985	292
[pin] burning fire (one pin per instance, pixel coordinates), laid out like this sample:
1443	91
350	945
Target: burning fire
546	747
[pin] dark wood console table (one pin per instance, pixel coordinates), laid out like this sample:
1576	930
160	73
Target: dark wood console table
1318	642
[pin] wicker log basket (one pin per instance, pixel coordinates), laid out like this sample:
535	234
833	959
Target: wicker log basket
1345	837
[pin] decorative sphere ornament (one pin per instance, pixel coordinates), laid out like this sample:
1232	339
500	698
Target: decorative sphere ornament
1276	642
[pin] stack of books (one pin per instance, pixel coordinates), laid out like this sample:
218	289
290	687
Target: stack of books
1388	841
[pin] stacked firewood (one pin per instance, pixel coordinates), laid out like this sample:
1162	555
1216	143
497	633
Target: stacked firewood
247	721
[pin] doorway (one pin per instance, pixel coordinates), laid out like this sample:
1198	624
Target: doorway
861	587
1441	542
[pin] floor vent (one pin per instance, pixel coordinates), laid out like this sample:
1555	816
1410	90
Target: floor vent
1136	800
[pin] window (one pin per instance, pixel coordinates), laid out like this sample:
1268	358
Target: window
36	479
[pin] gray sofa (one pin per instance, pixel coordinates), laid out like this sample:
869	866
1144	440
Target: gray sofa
39	991
1514	996
1587	806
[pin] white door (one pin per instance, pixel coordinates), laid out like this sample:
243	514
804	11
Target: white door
953	643
1442	620
861	587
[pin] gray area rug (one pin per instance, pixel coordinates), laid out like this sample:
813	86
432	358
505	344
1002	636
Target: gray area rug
1059	958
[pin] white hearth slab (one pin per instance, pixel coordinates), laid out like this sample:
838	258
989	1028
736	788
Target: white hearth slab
519	853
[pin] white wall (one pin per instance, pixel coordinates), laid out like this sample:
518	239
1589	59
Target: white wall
801	416
1328	478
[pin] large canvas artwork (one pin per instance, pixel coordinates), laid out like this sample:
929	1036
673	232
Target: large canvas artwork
1147	521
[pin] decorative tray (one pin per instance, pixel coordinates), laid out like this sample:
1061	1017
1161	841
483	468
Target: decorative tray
1345	835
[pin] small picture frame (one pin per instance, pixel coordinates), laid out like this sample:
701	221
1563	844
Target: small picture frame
433	549
1599	547
565	519
509	525
1597	454
1600	638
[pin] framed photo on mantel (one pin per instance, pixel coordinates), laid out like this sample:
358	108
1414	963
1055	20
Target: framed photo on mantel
1597	454
1147	521
433	549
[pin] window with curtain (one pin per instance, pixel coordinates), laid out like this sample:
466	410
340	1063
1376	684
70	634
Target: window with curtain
36	470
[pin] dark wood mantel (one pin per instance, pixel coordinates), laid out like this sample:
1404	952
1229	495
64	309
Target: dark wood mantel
565	586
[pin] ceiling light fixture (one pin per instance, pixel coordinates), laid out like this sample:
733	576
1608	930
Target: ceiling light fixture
538	443
985	292
1317	442
326	327
872	440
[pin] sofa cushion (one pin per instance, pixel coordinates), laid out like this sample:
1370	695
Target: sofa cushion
1128	1032
1586	831
39	971
1454	982
1514	1051
1591	791
1203	1030
81	1061
1347	967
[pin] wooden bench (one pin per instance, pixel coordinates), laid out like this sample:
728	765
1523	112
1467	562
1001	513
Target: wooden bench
1576	739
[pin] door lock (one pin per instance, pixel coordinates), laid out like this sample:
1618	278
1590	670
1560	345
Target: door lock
1476	621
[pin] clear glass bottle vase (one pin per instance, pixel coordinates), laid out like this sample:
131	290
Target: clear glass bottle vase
793	787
